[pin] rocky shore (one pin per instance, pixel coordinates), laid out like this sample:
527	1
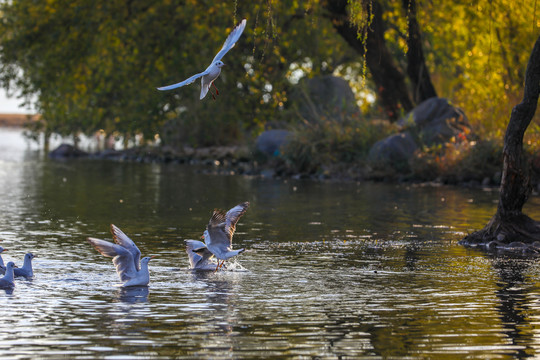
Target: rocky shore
243	160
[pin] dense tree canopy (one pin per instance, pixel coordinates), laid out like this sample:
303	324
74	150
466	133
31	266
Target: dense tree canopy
95	65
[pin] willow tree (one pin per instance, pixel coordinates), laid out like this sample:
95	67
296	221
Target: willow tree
510	224
96	64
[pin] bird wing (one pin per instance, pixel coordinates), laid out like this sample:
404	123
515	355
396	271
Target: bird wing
123	240
198	254
222	224
231	40
216	229
205	86
232	217
122	258
185	82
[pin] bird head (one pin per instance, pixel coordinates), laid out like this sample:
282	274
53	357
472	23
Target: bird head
219	63
146	260
205	235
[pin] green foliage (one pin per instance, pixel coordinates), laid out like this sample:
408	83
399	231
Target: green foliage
94	65
479	57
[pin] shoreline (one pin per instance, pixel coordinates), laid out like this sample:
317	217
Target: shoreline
9	120
241	160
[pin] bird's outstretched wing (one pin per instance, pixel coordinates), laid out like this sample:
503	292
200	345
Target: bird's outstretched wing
122	258
199	255
123	240
222	224
185	82
231	40
232	217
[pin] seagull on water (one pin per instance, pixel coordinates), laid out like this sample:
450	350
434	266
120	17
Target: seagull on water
220	230
26	269
7	281
214	69
199	256
2	266
126	256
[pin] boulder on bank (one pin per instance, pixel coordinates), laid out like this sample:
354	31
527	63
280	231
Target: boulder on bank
394	150
324	96
65	151
270	141
434	121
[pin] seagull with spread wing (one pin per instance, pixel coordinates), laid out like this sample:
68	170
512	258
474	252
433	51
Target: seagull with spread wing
126	256
212	72
220	230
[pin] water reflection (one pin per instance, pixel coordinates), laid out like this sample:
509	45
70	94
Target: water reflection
133	294
515	305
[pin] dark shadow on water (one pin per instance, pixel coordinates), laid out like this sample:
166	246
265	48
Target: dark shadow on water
9	291
514	303
133	294
201	275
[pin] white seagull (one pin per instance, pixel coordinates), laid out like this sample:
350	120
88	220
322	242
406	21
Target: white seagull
7	281
212	72
126	257
26	269
199	256
220	230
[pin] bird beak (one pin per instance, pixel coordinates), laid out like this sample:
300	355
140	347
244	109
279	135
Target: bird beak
153	256
4	250
202	237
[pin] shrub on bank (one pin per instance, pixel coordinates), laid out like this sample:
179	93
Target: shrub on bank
326	142
459	160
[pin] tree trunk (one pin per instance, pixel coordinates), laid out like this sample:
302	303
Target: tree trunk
509	224
388	79
417	70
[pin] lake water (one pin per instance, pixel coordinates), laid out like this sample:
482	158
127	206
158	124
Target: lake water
331	270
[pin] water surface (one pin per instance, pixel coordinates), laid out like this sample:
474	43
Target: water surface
332	270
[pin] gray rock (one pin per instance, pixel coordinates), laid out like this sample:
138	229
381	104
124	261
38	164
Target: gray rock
67	151
325	96
395	150
432	122
270	141
436	121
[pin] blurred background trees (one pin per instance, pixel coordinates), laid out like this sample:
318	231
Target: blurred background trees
95	65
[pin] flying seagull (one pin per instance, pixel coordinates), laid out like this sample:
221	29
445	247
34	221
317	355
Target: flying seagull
220	230
212	72
126	257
